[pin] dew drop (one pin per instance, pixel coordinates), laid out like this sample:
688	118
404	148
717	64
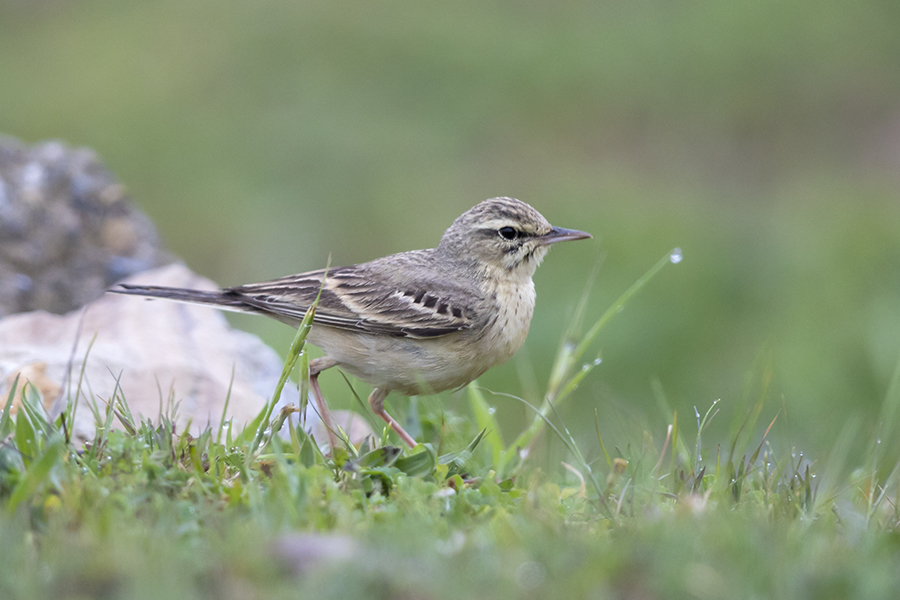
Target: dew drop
491	410
585	367
597	361
676	256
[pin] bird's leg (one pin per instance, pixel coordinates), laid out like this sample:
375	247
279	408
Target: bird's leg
316	366
376	401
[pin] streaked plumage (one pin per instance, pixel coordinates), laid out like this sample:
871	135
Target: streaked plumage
417	322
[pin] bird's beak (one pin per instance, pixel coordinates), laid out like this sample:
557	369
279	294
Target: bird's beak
560	234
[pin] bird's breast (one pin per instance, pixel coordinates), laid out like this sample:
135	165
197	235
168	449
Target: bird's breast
505	334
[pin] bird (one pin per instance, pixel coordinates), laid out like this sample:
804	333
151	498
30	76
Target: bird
415	323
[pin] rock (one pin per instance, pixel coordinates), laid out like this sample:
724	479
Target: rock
159	349
67	229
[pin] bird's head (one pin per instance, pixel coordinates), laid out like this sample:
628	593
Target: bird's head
503	234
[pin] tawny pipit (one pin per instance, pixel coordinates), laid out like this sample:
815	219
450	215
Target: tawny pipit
417	322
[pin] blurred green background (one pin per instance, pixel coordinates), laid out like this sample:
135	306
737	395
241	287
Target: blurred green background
763	138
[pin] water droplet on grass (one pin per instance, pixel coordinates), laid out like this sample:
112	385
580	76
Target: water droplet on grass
676	256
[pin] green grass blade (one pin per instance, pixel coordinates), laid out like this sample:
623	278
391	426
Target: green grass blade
384	456
457	460
225	407
487	422
618	306
72	405
25	437
297	346
890	410
606	455
363	406
569	355
6	422
421	464
36	473
303	387
250	430
33	405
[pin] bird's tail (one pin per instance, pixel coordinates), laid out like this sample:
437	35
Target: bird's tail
221	299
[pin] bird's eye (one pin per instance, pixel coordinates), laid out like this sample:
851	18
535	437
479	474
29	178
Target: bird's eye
508	233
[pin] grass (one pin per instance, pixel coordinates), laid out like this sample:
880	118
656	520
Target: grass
147	511
757	136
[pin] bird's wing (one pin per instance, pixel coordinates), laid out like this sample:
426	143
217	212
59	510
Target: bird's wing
361	298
